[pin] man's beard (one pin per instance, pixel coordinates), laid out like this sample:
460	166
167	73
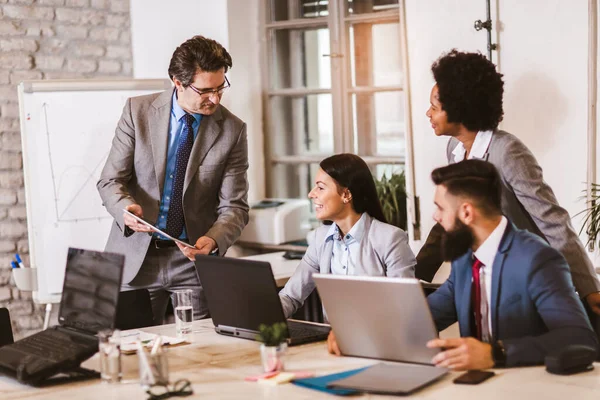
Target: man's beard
456	242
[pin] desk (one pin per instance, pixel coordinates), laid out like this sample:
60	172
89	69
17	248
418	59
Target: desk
216	365
282	268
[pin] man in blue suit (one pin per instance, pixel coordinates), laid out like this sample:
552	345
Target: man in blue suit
510	292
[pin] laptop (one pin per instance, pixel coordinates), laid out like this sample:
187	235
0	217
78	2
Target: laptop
242	294
386	319
88	305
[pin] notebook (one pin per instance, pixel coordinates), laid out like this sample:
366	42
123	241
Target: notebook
242	294
88	305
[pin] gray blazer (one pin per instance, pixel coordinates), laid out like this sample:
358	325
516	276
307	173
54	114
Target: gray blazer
384	251
530	204
215	192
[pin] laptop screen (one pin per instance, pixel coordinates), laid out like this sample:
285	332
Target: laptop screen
91	290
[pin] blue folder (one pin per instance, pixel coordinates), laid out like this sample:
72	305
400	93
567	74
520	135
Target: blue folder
320	383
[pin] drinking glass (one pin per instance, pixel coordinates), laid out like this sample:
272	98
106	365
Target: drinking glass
109	347
184	312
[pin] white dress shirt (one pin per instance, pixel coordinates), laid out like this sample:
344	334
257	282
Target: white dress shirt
486	253
479	148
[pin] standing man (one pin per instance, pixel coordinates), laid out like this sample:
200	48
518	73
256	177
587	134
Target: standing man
178	159
466	104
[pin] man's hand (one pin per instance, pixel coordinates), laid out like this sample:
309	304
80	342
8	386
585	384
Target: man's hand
204	245
131	222
332	346
462	354
593	300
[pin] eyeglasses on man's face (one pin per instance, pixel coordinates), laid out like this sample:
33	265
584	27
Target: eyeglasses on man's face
205	94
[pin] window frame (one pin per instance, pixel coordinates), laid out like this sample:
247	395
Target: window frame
341	91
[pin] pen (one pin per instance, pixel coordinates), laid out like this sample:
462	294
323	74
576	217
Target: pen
14	264
19	261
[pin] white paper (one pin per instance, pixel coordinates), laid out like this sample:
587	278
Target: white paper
129	338
155	229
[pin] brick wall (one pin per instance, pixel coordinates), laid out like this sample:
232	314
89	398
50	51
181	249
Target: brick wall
46	39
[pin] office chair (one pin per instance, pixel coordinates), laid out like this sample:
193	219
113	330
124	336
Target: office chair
6	334
134	310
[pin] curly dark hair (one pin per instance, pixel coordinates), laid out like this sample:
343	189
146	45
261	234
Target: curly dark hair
470	90
198	53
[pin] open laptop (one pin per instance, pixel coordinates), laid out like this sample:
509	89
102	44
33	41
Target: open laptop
382	318
242	294
88	305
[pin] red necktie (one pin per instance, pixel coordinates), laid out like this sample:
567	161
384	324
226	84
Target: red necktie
476	296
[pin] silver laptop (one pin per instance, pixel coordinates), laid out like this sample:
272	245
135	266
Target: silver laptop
378	317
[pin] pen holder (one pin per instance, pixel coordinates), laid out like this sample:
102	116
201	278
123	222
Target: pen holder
25	278
154	368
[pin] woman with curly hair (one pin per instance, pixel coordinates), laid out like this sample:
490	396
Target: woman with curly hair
466	104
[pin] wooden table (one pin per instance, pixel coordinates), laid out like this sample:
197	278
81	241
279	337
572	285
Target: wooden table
216	365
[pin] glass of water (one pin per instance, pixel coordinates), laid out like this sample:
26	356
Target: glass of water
109	347
183	312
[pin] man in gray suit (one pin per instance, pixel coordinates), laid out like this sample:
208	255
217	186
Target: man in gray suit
179	159
466	104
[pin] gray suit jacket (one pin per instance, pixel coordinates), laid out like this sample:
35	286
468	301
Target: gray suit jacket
530	204
215	192
384	251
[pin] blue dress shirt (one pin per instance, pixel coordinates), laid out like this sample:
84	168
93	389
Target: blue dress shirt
176	125
346	249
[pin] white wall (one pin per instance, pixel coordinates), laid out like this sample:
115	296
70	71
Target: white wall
158	27
234	24
434	27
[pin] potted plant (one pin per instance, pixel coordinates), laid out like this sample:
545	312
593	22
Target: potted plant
274	345
393	197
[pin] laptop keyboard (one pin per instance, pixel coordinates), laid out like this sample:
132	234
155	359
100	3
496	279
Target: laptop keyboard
52	345
300	330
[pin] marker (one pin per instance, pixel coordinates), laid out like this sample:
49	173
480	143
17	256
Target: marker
19	261
14	265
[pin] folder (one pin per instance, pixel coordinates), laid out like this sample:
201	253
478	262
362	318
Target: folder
320	383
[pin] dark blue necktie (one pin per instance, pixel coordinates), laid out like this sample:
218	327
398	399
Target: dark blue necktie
175	219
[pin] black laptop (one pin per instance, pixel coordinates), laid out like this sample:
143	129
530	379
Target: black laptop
88	305
242	294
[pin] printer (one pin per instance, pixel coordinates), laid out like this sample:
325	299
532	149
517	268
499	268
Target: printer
277	221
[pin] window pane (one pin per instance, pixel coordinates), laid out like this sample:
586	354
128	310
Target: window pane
297	59
369	6
292	181
375	55
281	10
388	170
301	125
379	124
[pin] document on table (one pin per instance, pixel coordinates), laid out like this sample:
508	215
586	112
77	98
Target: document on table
155	229
129	338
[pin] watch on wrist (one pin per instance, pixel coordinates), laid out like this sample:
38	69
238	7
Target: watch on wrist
499	354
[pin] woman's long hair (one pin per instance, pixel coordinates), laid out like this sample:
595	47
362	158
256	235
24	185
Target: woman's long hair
352	172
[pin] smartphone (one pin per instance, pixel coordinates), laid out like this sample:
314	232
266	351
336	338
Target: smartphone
474	377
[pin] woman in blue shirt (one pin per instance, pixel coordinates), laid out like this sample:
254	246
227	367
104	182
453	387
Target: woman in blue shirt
358	242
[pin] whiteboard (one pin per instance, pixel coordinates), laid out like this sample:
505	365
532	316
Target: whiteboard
67	127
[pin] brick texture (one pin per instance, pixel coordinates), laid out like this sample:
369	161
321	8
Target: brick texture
46	39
